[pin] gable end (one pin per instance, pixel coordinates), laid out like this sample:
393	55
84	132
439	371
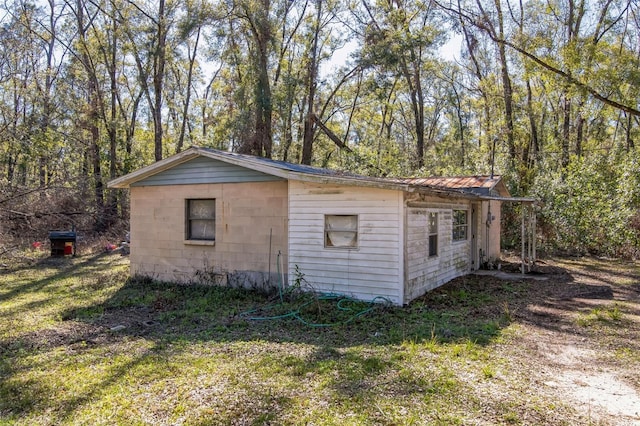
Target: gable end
205	170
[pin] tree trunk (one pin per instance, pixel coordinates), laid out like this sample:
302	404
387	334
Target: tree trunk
579	131
312	71
471	43
158	79
506	86
112	202
185	110
566	130
416	95
528	158
630	145
47	102
263	130
91	122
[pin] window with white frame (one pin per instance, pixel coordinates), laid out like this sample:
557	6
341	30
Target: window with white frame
433	234
201	219
341	231
460	225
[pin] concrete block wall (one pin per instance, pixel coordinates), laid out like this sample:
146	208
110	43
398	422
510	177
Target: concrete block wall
251	228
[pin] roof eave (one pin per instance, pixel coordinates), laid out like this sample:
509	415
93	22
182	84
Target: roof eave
127	180
145	172
345	180
155	168
510	199
501	188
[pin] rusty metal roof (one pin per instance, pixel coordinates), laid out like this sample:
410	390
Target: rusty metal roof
458	182
479	184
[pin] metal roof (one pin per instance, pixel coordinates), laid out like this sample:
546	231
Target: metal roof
480	184
283	165
456	182
462	186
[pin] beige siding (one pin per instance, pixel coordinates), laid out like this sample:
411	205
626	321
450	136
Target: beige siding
489	231
374	268
494	230
251	228
425	273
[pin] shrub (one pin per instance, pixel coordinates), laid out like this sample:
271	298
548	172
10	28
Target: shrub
592	207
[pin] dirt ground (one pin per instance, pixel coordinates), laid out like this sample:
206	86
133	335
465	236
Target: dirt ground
581	337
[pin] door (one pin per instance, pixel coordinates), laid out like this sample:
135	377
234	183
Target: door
474	239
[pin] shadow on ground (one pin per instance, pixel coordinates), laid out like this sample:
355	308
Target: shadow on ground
470	309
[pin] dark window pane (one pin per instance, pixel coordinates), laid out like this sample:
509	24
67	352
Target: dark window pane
459	225
203	229
433	245
202	209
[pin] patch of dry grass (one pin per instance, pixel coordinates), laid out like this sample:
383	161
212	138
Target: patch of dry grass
82	344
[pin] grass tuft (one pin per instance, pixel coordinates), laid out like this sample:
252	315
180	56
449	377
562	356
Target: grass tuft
603	315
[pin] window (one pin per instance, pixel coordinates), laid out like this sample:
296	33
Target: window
433	234
460	225
341	231
201	219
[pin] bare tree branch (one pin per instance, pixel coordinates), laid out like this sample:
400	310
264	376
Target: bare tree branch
479	23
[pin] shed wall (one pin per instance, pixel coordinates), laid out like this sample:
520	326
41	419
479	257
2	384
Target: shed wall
372	269
425	273
251	228
490	230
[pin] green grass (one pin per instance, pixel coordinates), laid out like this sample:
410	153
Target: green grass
81	343
606	314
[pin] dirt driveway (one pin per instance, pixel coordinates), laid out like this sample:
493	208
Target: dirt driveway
580	338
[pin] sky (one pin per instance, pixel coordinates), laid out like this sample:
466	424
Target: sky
449	51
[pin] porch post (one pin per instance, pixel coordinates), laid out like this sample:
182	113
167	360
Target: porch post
533	232
529	238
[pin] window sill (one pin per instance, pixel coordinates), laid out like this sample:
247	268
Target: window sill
341	248
200	242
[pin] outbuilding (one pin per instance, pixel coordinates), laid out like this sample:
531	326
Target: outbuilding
211	216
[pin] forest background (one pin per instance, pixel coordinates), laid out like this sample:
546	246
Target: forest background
543	92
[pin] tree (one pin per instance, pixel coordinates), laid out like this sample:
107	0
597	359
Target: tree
398	39
312	74
197	16
257	16
94	108
497	33
152	27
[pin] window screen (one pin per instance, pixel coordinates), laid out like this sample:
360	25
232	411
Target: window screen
341	231
433	234
201	219
460	225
